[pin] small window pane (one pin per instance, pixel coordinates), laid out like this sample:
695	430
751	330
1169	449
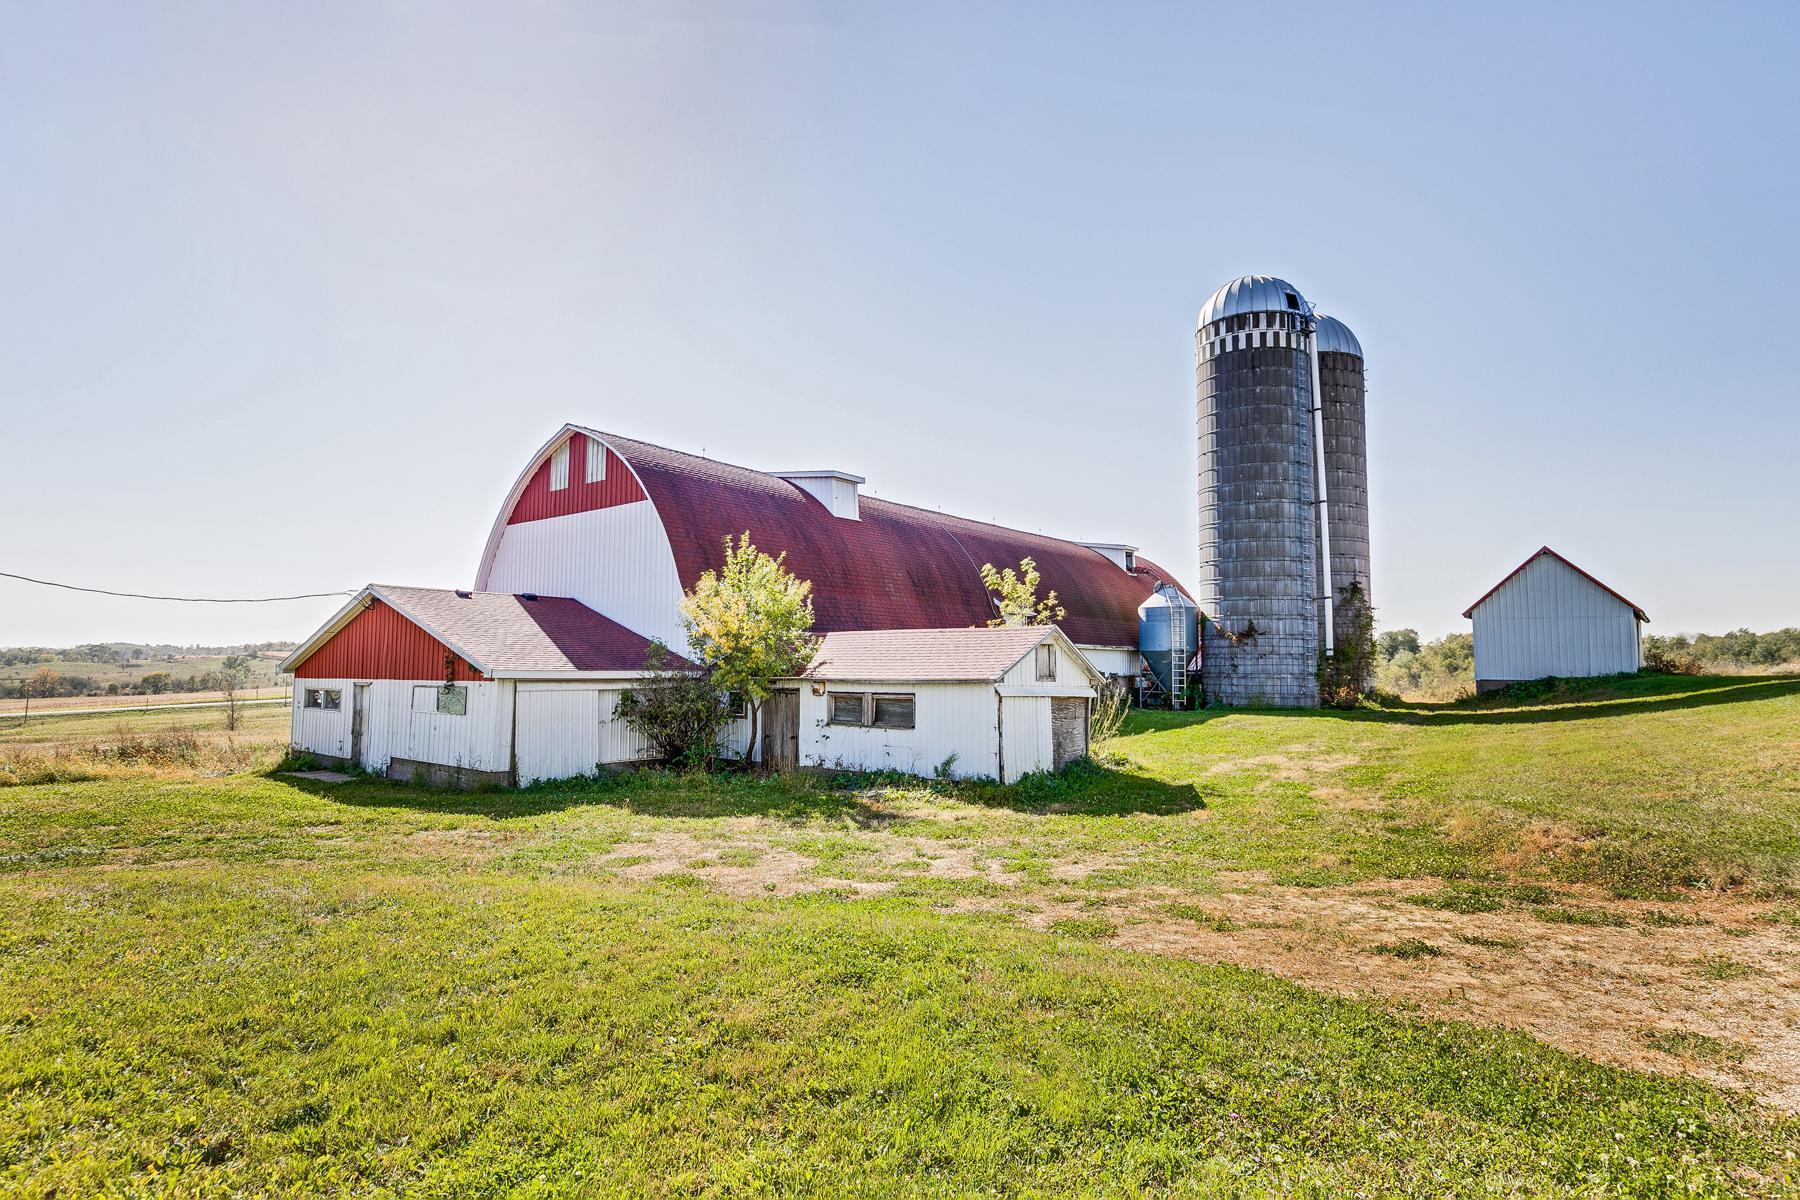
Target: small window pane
559	468
311	699
1046	663
332	699
424	698
596	460
893	712
846	708
453	701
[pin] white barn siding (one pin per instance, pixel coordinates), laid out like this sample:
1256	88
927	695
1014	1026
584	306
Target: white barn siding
617	561
1549	619
1109	660
948	718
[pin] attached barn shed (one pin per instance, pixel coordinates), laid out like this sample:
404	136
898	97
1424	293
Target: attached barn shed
1551	618
967	703
468	687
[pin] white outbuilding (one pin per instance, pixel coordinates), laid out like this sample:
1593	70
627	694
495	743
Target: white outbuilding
1551	618
962	703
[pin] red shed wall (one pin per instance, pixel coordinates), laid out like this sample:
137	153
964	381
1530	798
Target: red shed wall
537	501
379	643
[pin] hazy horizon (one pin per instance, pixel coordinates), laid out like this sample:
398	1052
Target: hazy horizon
288	298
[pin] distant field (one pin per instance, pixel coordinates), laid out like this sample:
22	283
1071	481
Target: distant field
262	672
16	707
1512	949
258	721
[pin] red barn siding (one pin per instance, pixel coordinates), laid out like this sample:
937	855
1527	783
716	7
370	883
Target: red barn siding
537	501
379	643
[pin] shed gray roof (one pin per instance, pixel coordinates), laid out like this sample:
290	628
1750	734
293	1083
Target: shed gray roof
1248	294
500	631
924	655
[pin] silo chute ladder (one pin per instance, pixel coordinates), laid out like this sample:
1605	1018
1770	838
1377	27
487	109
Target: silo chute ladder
1178	652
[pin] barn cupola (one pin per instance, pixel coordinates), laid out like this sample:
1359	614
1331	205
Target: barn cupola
836	490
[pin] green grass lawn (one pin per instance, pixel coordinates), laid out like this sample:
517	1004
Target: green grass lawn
259	985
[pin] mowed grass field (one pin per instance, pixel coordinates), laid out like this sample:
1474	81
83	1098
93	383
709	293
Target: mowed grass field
1251	953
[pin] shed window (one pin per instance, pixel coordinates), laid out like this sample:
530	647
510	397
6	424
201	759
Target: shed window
596	460
873	709
1046	663
1131	561
329	699
893	712
559	468
447	700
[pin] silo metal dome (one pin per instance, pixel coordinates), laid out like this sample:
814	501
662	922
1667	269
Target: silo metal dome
1249	294
1334	337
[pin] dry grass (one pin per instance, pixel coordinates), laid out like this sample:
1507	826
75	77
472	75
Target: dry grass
129	754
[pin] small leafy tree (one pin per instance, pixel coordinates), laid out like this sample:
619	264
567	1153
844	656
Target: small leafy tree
680	711
750	623
39	684
233	673
1016	594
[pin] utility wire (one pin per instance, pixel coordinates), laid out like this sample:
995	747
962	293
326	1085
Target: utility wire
183	599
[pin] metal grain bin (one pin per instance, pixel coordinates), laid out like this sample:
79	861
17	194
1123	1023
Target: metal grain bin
1168	633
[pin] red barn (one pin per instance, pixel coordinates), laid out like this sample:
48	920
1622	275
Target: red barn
618	530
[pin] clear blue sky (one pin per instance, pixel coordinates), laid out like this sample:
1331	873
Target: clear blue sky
288	293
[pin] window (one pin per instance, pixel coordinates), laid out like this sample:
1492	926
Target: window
737	706
1131	561
1046	663
329	699
596	460
893	712
559	468
449	701
872	710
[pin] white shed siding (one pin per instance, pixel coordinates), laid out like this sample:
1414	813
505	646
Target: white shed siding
321	731
558	730
949	718
1549	619
617	561
480	739
1025	737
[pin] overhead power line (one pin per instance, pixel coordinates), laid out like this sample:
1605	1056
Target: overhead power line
182	599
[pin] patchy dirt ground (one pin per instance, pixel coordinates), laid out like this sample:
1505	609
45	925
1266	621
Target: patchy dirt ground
1706	985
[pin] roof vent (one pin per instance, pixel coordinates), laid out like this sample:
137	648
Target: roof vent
528	595
463	595
836	490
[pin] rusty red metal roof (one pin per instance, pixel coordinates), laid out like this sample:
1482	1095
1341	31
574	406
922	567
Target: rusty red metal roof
1469	611
899	567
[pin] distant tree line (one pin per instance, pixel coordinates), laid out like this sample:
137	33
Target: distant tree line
1739	650
1439	670
127	654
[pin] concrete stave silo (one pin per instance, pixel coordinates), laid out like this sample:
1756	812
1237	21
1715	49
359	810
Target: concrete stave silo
1258	581
1343	399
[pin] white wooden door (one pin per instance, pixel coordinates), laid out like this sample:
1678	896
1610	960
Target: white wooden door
558	733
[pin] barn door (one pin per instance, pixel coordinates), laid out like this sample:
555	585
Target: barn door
558	732
1068	729
781	731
